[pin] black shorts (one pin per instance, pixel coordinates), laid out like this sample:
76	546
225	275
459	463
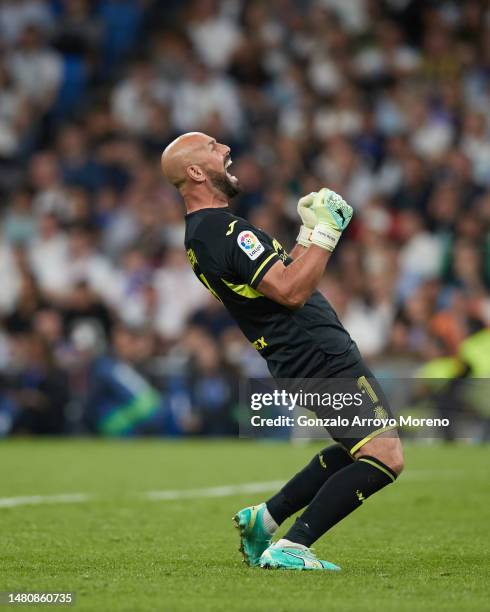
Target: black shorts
361	410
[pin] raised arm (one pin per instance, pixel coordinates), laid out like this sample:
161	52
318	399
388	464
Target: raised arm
292	285
325	215
297	251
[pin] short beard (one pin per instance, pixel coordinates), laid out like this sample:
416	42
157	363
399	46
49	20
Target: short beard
223	184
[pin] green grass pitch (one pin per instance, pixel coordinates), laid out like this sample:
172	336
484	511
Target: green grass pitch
421	544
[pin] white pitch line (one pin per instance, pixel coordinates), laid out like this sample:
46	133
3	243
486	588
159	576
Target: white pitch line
33	500
259	487
223	491
220	491
169	495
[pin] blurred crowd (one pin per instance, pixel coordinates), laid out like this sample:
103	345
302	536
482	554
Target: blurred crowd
103	326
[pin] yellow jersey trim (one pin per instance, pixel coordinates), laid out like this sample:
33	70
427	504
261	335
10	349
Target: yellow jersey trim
261	267
376	465
372	435
243	290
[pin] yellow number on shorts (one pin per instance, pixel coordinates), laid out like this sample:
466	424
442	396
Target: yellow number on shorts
364	385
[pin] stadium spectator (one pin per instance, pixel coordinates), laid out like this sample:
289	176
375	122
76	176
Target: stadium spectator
36	68
38	388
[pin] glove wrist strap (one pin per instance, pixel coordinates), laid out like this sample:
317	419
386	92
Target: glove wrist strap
304	236
325	236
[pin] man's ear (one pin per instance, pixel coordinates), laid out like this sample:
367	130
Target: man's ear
195	173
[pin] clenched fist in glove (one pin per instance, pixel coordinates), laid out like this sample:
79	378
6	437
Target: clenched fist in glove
325	215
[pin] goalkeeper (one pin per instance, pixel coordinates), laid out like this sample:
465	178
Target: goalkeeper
272	296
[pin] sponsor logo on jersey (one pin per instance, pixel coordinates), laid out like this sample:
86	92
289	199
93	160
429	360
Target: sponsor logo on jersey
231	227
250	244
260	343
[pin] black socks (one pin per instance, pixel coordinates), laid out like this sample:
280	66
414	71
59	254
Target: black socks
342	493
302	488
333	485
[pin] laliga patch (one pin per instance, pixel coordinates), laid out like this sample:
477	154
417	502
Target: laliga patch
250	244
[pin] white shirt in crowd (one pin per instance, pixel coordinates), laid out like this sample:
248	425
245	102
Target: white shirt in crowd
195	102
48	260
15	15
38	72
9	279
179	295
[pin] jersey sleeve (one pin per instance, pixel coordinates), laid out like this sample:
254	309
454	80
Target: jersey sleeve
250	253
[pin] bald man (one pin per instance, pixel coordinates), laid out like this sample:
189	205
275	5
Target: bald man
273	298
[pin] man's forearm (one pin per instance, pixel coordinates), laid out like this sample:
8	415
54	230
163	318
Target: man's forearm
304	274
297	251
292	285
325	215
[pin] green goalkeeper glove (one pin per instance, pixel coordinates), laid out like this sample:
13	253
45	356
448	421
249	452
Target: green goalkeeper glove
333	215
308	217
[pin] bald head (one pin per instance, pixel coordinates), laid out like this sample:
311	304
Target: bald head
198	166
185	151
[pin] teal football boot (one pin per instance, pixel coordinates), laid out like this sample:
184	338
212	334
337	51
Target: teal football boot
293	558
254	537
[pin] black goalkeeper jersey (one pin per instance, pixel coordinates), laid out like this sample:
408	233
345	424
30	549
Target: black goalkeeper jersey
230	257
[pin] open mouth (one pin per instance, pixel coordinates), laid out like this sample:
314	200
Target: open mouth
228	163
